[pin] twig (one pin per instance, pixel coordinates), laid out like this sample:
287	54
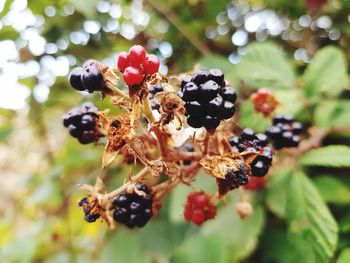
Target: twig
171	17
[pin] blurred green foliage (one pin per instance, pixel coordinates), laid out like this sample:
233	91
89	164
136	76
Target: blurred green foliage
303	214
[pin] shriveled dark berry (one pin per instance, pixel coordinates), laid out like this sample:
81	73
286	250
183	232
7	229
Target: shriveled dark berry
83	201
91	217
82	122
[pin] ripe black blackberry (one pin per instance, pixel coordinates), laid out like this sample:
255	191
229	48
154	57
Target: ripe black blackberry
284	132
208	100
249	141
152	91
82	123
87	78
132	209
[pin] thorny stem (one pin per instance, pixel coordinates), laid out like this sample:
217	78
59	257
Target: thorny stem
168	14
124	187
117	91
206	143
164	150
147	110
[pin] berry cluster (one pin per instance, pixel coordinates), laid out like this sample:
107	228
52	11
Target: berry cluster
264	102
137	64
89	216
87	78
284	132
251	142
152	91
207	99
199	208
132	209
82	123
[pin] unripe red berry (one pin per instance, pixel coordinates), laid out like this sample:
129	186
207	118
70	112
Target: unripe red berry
199	208
123	61
137	55
151	64
256	183
198	217
132	76
264	102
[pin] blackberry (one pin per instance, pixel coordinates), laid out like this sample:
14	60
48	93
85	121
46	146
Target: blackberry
87	78
132	209
284	132
81	123
88	216
254	142
152	91
233	179
207	100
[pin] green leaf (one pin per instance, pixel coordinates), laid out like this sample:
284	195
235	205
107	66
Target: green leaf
344	256
241	235
124	246
227	236
332	189
334	113
276	192
264	64
251	119
344	223
326	73
176	204
291	101
312	229
204	249
329	156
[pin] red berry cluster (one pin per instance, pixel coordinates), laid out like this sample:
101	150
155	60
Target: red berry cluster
199	208
256	183
136	64
264	102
